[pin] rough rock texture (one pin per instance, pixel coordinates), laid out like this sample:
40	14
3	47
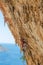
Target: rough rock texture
25	20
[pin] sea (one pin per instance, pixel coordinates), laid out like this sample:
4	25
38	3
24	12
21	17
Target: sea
10	54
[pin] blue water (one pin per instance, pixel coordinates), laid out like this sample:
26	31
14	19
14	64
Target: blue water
11	56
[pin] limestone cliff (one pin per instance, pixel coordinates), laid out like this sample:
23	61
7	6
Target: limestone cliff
25	20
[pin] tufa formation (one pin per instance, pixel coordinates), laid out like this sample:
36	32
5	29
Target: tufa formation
25	20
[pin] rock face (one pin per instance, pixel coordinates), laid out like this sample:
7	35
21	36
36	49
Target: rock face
25	20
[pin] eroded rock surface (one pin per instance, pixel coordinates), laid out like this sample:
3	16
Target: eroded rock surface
25	20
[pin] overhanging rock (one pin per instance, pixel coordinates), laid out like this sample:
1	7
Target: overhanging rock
25	20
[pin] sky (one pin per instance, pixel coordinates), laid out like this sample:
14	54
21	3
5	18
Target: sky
5	34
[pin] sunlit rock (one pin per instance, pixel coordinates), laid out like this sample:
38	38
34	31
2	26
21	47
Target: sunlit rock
25	20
